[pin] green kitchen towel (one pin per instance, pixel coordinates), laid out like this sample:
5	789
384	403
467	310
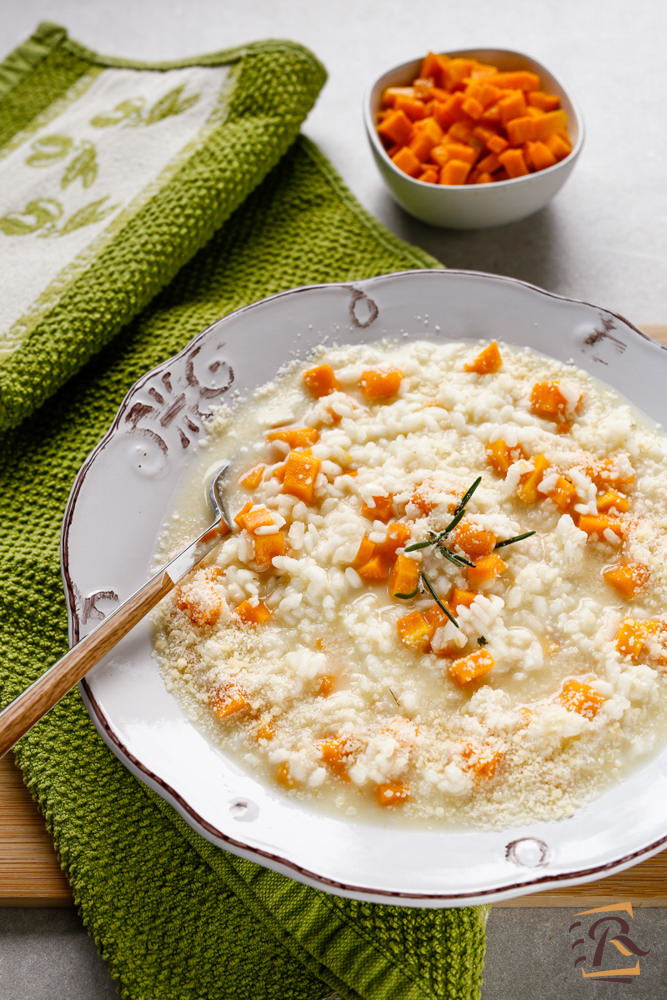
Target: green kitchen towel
112	175
174	917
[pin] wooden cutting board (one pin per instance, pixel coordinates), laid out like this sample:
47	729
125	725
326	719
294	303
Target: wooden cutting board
30	874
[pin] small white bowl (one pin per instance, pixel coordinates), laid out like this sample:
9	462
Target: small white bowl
474	206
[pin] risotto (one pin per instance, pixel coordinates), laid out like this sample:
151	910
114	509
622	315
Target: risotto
443	594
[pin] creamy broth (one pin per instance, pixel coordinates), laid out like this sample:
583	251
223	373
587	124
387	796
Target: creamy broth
522	668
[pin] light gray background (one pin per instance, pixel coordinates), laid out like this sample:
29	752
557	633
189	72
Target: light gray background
602	239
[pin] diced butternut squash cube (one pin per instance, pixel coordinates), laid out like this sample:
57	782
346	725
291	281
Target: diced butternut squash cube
647	638
365	552
550	123
497	144
398	535
514	163
540	156
527	490
500	456
382	383
411	106
393	793
301	471
284	776
459	597
228	700
455	172
253	477
577	696
252	614
414	631
546	400
545	102
251	517
338	752
597	525
473	539
421	499
631	637
320	381
326	685
563	494
375	570
436	617
486	568
404	576
611	473
406	161
267	547
487	361
627	578
520	130
265	730
380	510
295	437
511	106
200	600
429	176
397	128
559	146
471	667
516	79
613	500
482	761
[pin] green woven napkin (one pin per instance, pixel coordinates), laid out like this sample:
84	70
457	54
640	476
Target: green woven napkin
112	175
174	917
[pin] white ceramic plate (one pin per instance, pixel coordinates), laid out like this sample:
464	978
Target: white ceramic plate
128	485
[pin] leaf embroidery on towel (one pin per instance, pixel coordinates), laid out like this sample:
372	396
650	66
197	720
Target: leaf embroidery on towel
94	211
130	112
83	166
47	150
37	214
171	104
41	214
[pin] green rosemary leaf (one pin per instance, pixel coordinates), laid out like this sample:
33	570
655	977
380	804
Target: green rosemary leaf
454	521
406	597
466	496
517	538
418	545
454	557
431	590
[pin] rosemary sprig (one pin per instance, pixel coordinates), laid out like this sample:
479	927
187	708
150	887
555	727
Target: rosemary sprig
407	597
517	538
437	538
431	590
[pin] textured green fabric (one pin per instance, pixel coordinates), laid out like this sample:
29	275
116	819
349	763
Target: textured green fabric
272	87
174	917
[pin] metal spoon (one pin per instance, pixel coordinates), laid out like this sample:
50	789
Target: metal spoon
29	707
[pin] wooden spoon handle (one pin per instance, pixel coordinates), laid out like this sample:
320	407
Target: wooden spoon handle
29	707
